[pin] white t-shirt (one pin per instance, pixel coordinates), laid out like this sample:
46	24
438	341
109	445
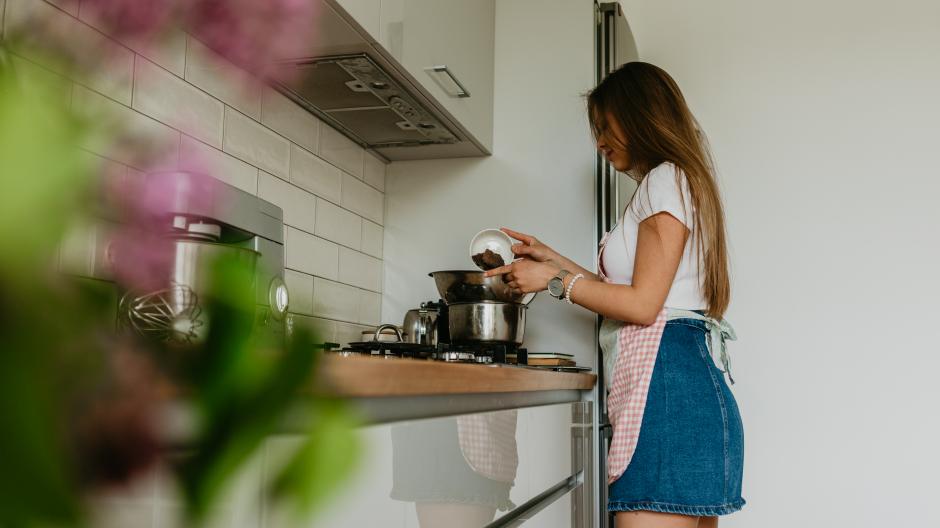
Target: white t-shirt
658	192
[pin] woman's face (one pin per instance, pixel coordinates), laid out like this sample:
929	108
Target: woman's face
611	143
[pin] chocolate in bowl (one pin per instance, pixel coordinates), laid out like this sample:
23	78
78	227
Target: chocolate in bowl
488	260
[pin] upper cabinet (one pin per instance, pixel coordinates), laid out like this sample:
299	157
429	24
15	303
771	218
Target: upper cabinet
445	48
447	45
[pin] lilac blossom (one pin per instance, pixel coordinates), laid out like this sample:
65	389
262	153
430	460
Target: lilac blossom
141	249
132	19
253	34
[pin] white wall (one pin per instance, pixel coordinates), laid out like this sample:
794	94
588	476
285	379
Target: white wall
539	179
823	118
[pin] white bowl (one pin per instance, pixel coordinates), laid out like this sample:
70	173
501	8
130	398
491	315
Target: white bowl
495	241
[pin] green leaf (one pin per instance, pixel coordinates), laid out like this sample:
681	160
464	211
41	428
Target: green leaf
42	169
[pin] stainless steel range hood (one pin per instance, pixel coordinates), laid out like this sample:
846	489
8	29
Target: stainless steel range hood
354	95
349	81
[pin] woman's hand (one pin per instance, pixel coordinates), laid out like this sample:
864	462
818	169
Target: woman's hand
531	248
525	276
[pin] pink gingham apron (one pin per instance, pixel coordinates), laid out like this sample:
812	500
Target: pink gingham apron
638	346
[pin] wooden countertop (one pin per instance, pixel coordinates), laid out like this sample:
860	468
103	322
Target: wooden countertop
376	377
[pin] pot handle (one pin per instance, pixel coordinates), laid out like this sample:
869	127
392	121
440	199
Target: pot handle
529	297
378	332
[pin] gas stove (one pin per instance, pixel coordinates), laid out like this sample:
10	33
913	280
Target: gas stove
481	353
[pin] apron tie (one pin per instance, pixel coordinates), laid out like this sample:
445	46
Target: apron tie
718	332
722	332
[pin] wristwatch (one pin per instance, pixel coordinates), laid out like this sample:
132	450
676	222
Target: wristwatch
556	285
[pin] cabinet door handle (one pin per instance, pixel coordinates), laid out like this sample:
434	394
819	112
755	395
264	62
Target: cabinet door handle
455	88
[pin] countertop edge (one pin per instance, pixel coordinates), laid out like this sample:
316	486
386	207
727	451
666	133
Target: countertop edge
366	377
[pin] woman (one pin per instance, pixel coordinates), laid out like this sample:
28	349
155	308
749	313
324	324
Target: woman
676	457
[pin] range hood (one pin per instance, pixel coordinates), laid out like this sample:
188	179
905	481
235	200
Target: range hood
349	81
353	94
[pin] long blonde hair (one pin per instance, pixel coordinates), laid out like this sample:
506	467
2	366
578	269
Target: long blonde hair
648	106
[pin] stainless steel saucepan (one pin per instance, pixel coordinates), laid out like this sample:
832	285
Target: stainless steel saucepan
487	321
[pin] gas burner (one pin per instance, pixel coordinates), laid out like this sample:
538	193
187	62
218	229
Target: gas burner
390	349
462	357
346	352
477	353
489	352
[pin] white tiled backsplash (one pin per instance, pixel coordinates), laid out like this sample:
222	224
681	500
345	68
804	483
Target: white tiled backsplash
182	96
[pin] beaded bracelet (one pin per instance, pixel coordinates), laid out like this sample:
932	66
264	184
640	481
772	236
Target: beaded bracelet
571	286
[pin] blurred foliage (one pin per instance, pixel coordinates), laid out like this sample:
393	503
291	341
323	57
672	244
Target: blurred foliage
79	400
41	171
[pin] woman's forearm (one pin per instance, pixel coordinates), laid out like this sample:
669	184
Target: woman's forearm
617	301
573	267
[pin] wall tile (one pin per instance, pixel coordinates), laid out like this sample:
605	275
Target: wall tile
214	74
300	289
114	79
370	307
315	175
359	269
197	156
285	116
76	249
146	144
339	225
360	198
373	172
84	244
309	254
169	51
329	330
372	239
322	329
345	333
252	142
167	98
35	79
335	301
69	6
300	207
340	151
114	75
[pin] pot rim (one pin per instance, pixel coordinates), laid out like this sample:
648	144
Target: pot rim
479	272
489	302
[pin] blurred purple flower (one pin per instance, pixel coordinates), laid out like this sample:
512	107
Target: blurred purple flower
141	259
141	249
254	33
134	19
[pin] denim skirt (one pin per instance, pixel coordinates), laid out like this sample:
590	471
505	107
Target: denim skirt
689	458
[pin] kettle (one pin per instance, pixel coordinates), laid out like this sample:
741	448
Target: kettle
421	325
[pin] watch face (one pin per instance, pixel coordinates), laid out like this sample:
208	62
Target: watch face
556	287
